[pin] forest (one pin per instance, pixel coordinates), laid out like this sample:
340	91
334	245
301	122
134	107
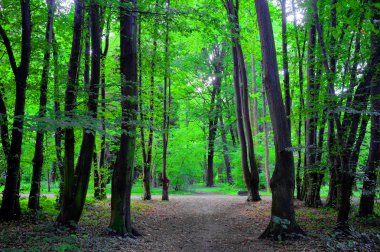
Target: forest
198	125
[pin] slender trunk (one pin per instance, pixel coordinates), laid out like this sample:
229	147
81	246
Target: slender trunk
38	159
249	164
227	160
71	209
217	64
311	122
148	165
230	126
121	222
10	206
312	180
101	190
266	142
212	127
300	55
282	182
285	64
347	130
4	123
57	116
167	106
369	185
255	111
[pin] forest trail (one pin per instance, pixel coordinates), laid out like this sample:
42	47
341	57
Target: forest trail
201	222
208	222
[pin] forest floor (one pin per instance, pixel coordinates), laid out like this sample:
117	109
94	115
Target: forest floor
200	222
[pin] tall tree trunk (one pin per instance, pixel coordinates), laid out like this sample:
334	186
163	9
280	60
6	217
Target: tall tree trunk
249	164
10	206
72	207
166	112
311	194
70	104
100	192
300	55
231	128
266	142
149	152
227	160
255	110
217	64
38	159
121	222
5	141
57	116
282	182
367	198
285	64
310	124
347	130
332	198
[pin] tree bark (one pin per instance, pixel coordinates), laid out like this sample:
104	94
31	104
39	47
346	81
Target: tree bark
367	198
148	162
72	206
249	164
282	182
255	111
300	55
266	142
227	160
10	207
38	159
311	195
347	130
166	112
285	64
217	64
100	192
121	222
57	116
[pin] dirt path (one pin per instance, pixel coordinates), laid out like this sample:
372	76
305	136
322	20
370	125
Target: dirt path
209	222
201	223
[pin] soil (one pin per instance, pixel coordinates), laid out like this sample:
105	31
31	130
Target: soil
209	222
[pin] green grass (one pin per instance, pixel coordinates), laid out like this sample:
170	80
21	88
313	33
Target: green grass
137	189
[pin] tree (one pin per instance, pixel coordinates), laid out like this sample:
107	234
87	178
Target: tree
121	222
76	180
249	164
227	160
285	63
217	57
166	112
10	206
346	130
300	56
38	158
100	172
148	150
366	206
282	181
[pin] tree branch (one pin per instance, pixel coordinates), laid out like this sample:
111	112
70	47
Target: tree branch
9	49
